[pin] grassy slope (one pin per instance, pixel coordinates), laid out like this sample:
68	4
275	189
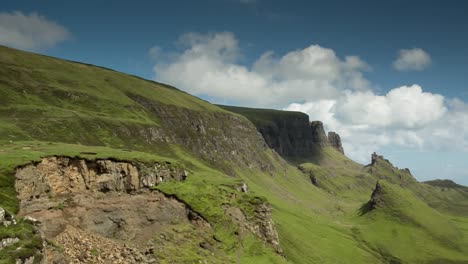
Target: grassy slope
263	117
409	230
40	95
405	229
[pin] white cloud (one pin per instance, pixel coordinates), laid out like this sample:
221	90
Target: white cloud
412	60
316	81
30	32
208	66
403	107
406	117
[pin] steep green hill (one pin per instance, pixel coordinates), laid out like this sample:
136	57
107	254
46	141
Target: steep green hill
320	210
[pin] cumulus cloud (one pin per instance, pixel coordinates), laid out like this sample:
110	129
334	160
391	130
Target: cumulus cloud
316	81
208	66
30	32
403	107
405	117
412	60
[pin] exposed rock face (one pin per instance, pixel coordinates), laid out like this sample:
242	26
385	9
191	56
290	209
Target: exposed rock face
376	197
6	219
62	175
335	141
290	134
101	200
261	224
317	131
8	241
296	137
383	169
11	243
375	158
215	137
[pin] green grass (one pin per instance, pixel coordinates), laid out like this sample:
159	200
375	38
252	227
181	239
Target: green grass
54	107
404	228
30	242
264	117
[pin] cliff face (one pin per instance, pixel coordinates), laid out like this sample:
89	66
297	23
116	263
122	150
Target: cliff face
109	205
335	141
290	134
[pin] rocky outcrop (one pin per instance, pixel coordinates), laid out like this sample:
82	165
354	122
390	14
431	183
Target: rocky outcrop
8	242
319	138
335	141
376	158
382	168
25	247
260	224
6	219
81	205
376	197
220	138
290	134
62	175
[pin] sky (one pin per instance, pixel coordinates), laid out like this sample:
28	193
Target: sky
388	76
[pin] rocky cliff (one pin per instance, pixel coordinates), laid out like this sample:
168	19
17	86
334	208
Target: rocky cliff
290	134
107	211
335	141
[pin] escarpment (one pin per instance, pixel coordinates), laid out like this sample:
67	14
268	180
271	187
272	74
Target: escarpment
103	201
55	176
111	206
290	134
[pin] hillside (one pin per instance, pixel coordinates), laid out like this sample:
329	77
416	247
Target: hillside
102	167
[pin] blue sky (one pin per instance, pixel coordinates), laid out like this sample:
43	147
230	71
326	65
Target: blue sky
301	36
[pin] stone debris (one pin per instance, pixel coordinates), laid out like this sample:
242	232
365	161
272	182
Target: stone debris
243	188
8	242
2	215
6	219
29	260
83	247
91	210
32	220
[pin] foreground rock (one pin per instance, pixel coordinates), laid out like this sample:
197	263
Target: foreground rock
84	247
260	224
101	211
61	175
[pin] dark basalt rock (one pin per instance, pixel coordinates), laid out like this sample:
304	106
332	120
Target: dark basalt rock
335	141
289	133
318	133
